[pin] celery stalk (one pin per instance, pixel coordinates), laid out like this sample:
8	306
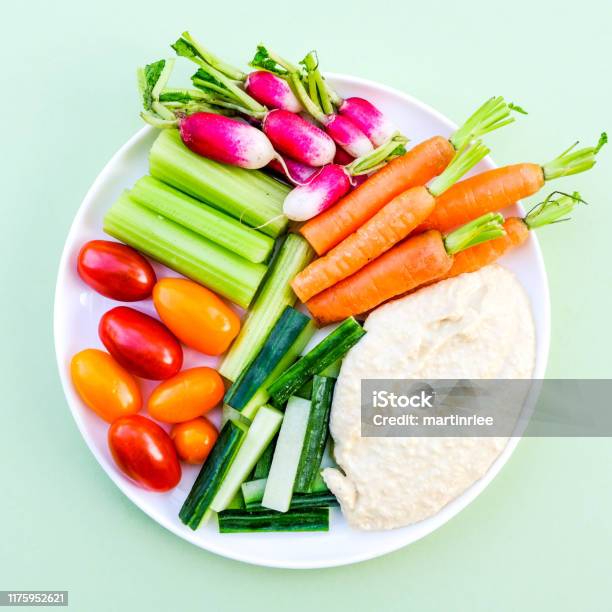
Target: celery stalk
202	219
275	294
248	195
184	251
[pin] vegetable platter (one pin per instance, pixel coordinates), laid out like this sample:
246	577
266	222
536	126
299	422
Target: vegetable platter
97	321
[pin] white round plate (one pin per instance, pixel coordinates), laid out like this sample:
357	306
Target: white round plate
78	310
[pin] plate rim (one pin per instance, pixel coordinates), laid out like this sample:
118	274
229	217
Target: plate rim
126	487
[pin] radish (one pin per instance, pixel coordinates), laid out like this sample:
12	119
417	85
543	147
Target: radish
328	185
318	104
205	131
265	88
333	181
289	133
272	91
296	172
299	139
370	120
361	113
227	140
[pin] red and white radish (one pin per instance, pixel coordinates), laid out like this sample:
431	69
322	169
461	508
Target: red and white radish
226	140
334	181
371	121
294	171
343	132
299	139
325	188
346	134
272	91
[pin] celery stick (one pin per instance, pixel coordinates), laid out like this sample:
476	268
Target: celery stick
202	219
253	197
275	294
184	251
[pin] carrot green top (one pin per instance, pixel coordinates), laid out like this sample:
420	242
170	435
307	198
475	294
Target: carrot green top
572	161
484	228
490	116
552	210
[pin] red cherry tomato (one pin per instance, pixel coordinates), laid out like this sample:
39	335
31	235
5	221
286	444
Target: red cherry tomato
116	271
140	343
144	452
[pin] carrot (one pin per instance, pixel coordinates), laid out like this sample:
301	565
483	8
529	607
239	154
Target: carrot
417	167
517	231
391	224
496	189
414	262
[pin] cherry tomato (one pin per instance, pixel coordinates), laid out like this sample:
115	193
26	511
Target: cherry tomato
189	394
194	439
144	452
115	270
140	343
195	315
109	390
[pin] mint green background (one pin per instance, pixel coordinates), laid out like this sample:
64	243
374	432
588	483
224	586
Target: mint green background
538	538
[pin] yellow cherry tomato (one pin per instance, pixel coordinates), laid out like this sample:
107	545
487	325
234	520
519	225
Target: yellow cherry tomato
196	316
107	388
194	439
189	394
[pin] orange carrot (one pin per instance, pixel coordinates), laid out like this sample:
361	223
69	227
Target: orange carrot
486	253
414	262
496	189
486	192
391	224
387	227
517	231
416	167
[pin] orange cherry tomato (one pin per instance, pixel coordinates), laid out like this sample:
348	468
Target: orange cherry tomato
108	389
194	439
196	316
189	394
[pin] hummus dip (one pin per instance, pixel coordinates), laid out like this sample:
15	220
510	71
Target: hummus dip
478	325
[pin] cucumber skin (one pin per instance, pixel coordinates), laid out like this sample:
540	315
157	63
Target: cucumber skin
238	521
262	468
284	333
302	500
316	433
329	350
211	475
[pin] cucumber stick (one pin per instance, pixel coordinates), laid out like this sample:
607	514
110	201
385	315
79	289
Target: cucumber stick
274	295
262	469
202	219
279	487
262	395
324	354
325	499
307	519
250	196
253	490
212	474
316	433
184	251
283	335
264	427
